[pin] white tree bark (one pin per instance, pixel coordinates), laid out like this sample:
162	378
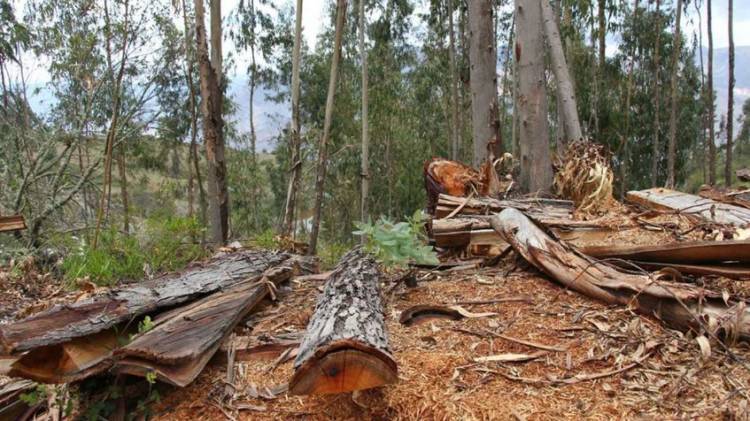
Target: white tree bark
483	77
536	163
565	89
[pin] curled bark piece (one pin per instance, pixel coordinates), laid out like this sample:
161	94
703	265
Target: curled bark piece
681	306
421	313
345	347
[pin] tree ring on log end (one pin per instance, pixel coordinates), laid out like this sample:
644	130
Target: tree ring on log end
343	366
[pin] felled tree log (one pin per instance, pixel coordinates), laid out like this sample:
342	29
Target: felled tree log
345	347
551	209
682	306
65	322
178	349
690	205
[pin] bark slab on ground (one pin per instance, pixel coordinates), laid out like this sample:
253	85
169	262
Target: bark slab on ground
65	322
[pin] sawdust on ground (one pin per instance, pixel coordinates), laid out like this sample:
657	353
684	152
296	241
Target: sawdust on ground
616	364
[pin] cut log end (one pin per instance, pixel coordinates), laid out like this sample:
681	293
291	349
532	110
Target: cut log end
344	366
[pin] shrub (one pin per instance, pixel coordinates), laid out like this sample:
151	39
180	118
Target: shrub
397	244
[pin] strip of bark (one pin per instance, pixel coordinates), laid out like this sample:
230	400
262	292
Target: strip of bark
179	349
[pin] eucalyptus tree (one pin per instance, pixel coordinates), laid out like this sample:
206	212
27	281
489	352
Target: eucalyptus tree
676	48
535	160
483	78
730	97
212	98
710	100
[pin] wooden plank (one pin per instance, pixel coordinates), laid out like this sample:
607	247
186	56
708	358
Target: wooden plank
65	322
691	205
178	349
680	305
12	223
345	347
684	252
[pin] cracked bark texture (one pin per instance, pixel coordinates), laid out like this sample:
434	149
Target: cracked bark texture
65	322
348	316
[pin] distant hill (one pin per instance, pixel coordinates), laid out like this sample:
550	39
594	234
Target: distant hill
721	77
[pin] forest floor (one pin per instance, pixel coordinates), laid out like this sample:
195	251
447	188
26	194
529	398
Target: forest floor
600	361
614	362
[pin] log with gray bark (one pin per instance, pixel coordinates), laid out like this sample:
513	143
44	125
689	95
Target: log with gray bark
683	306
65	322
178	349
345	347
693	206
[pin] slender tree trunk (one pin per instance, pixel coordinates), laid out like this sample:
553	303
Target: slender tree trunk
536	164
365	128
255	187
625	154
710	105
730	99
322	156
704	111
602	34
565	90
296	168
671	154
193	160
123	189
213	123
483	78
657	99
456	131
112	130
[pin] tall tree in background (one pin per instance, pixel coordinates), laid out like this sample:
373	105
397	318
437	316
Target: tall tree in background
483	77
565	90
322	156
676	48
655	153
287	226
536	164
213	123
624	149
730	98
365	128
194	176
116	81
455	129
710	105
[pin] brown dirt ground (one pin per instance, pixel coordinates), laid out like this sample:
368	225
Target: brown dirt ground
438	378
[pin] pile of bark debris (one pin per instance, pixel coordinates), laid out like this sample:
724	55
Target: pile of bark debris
536	229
